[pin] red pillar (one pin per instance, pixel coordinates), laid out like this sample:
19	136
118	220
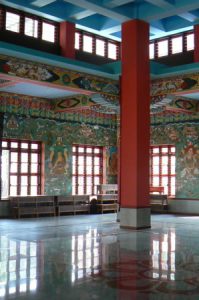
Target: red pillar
135	126
67	39
196	42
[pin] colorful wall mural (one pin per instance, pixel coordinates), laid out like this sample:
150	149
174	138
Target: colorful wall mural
58	137
185	136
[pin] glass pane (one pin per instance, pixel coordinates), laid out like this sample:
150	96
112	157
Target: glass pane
173	170
24	190
80	149
190	42
173	181
165	150
24	180
155	150
166	190
34	158
80	190
48	32
80	160
13	180
151	51
74	169
13	191
156	181
165	160
31	27
24	168
173	190
89	180
96	161
177	44
88	170
24	145
80	180
34	180
4	144
112	51
77	40
96	170
173	149
164	181
34	168
156	170
164	170
89	161
87	43
173	160
13	167
14	157
156	161
33	190
96	180
96	150
24	157
89	150
14	145
89	190
163	48
73	180
81	170
34	146
100	47
12	22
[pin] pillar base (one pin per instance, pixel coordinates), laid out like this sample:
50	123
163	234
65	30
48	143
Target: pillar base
135	218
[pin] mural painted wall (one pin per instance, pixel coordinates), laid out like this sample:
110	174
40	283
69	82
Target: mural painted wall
185	136
58	137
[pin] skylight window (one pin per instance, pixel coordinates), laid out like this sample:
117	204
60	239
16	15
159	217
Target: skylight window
100	47
112	51
163	48
12	22
87	43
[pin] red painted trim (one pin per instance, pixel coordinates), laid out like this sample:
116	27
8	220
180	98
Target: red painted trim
196	42
135	207
67	39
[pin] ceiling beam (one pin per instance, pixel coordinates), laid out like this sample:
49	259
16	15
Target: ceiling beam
188	16
161	3
116	3
42	3
99	9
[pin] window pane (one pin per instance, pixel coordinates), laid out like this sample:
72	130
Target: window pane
48	32
156	181
164	181
96	170
165	150
14	157
80	190
88	190
13	190
89	180
177	44
14	145
96	161
80	160
100	47
151	51
164	170
155	150
24	145
112	51
34	146
13	167
190	42
165	160
34	180
31	27
156	170
80	180
24	157
89	161
156	161
80	149
163	48
88	170
13	180
34	158
77	40
34	168
173	170
12	22
33	190
24	180
88	150
96	180
87	43
96	150
4	144
24	168
81	170
24	190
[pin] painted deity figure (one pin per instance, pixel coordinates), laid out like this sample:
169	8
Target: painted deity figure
190	161
58	158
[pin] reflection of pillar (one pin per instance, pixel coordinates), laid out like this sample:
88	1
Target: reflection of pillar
67	39
196	43
134	150
1	136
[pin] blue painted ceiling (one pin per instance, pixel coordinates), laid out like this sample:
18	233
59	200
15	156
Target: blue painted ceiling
105	17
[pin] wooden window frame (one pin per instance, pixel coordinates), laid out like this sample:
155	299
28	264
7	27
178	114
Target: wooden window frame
19	174
160	154
85	154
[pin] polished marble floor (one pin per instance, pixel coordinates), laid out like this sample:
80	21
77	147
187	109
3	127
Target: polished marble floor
91	258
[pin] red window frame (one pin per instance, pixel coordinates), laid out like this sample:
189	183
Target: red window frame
158	151
92	152
19	150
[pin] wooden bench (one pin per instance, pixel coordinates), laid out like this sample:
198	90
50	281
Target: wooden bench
32	205
73	204
107	202
158	202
